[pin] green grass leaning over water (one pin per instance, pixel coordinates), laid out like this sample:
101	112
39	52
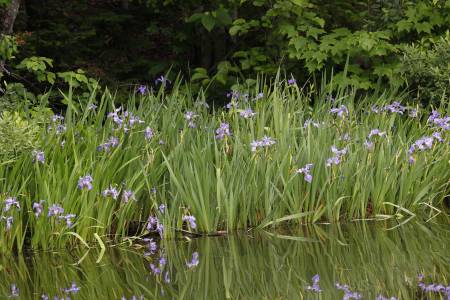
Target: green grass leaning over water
167	148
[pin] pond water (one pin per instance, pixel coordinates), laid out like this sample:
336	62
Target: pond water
367	257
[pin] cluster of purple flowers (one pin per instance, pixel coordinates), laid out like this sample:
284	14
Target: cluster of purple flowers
315	284
152	247
306	172
262	143
247	113
85	182
57	124
190	116
436	120
369	142
38	156
433	288
73	289
112	142
341	111
153	224
125	120
223	131
348	294
336	159
38	207
128	195
111	192
424	143
190	220
55	211
10	202
394	107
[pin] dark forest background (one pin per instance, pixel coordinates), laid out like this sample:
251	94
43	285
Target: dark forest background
403	44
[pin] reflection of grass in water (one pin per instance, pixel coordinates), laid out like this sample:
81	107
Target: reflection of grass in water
369	259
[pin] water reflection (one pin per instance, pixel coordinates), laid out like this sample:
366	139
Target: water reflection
366	257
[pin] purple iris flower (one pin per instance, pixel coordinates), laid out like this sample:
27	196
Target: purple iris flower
267	141
162	208
163	80
151	246
57	118
38	156
10	202
223	131
341	111
38	207
127	196
306	172
421	144
194	261
112	142
85	182
438	136
9	221
142	89
155	270
111	192
232	104
247	113
151	223
315	286
292	81
434	115
68	218
55	210
264	142
73	289
376	132
348	293
395	107
190	220
258	96
336	159
369	145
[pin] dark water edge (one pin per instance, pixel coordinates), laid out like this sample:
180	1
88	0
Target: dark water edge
371	258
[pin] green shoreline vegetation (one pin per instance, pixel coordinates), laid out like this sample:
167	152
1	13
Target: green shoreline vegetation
164	162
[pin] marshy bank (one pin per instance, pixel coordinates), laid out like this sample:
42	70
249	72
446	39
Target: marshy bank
273	156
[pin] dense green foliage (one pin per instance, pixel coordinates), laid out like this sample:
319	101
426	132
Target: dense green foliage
167	148
218	42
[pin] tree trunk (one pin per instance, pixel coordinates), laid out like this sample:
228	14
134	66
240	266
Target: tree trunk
9	17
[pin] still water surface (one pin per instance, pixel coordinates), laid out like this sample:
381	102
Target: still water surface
367	257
